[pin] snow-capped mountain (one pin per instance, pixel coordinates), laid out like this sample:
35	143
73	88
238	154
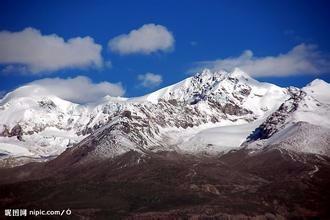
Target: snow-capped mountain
211	112
300	124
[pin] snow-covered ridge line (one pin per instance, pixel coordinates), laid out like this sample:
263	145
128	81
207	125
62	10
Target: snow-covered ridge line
46	125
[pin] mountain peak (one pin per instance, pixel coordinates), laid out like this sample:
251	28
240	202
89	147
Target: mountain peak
239	73
25	91
208	74
219	75
205	71
318	89
203	84
317	82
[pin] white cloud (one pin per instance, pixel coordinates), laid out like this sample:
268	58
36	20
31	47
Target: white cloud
29	51
147	39
150	80
79	89
302	59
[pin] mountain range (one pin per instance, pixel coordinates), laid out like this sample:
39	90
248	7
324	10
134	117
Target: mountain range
218	145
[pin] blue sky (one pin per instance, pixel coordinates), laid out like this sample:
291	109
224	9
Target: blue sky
283	42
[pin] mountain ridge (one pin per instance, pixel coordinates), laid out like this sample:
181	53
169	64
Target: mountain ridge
209	99
224	148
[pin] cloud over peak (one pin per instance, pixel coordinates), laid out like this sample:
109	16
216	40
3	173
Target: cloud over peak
302	59
31	52
79	89
150	80
147	39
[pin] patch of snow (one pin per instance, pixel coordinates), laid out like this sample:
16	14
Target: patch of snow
10	149
316	169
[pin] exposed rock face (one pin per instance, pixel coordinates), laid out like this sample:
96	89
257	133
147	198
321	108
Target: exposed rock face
47	104
278	119
235	110
5	132
15	131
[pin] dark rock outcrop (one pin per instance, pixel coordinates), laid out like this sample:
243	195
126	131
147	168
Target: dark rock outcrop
15	131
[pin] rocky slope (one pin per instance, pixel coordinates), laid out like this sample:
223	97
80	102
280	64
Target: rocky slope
272	184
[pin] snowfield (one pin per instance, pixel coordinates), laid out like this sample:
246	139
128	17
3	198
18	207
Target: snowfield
219	139
211	138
